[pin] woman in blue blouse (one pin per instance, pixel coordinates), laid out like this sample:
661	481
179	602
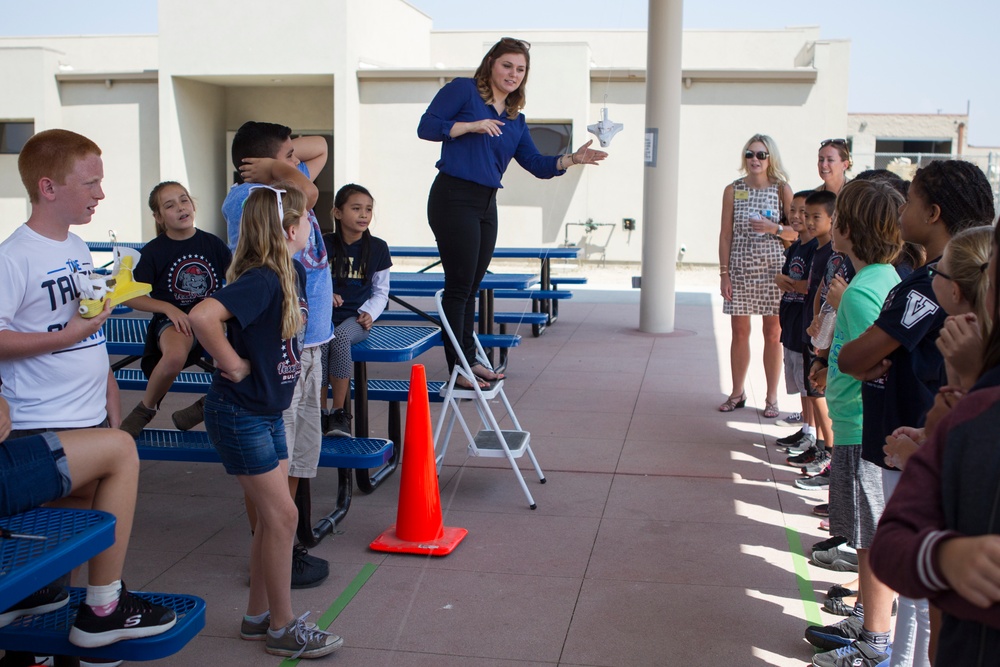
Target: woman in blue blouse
479	123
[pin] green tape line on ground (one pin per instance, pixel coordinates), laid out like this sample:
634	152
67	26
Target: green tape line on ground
331	614
802	577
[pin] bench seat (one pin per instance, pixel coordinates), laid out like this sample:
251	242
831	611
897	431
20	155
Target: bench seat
568	280
499	318
49	633
542	294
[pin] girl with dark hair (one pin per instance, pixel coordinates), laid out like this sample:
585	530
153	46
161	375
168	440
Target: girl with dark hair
184	265
479	123
360	265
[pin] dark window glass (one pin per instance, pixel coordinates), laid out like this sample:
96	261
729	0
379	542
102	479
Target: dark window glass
13	136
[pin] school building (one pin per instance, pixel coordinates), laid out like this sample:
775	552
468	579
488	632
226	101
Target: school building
361	73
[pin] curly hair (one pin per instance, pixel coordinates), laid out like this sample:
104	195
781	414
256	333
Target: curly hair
868	214
515	101
960	190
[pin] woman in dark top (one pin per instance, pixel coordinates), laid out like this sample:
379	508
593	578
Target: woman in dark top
479	123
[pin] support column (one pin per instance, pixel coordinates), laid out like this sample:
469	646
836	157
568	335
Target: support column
662	170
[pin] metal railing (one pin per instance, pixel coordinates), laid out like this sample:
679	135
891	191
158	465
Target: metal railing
906	165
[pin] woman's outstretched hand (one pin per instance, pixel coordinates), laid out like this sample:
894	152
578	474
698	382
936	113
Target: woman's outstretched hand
587	155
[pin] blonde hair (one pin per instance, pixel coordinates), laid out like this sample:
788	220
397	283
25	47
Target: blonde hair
262	245
154	204
968	257
775	172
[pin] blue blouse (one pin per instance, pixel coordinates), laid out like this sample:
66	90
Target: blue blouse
475	157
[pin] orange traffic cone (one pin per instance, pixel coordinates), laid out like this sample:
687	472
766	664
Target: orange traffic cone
419	528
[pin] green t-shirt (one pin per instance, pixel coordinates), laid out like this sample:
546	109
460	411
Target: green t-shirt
859	307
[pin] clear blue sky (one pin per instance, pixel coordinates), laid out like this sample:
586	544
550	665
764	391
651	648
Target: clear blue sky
907	56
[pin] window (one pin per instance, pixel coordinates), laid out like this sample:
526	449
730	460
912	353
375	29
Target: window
552	138
13	136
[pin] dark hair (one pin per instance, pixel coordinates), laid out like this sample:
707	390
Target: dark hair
340	263
895	180
515	101
823	198
960	189
802	194
868	214
154	203
912	255
256	139
991	356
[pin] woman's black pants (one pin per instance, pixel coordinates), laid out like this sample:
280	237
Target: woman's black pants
463	217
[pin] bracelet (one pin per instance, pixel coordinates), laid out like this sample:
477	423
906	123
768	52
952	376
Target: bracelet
723	273
572	158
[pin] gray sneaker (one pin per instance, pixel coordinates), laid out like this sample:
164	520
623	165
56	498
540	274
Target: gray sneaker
802	444
840	558
299	639
817	481
255	632
137	420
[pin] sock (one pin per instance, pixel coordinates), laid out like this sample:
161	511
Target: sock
859	610
878	640
104	599
280	632
808	430
259	618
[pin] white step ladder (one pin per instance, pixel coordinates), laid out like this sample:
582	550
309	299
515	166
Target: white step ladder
491	441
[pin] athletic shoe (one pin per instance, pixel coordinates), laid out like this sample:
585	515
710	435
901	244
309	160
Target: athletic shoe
97	662
41	601
830	637
807	456
187	418
790	439
307	571
856	654
821	461
299	639
794	419
255	632
836	605
838	591
839	559
339	424
131	619
802	444
820	481
822	510
137	420
829	543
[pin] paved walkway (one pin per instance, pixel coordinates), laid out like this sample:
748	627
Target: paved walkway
664	536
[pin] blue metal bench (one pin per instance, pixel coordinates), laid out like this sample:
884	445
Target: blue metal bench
345	454
72	538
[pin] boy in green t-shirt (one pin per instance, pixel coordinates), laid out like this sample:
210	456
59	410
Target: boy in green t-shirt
866	229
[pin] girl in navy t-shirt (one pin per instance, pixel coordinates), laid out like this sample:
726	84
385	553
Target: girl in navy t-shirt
360	265
184	265
251	328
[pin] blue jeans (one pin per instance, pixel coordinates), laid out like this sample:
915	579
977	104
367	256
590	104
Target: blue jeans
33	471
249	443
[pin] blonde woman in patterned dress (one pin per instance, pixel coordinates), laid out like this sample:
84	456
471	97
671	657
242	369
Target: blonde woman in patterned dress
750	254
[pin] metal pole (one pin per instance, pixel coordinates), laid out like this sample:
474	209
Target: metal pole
662	170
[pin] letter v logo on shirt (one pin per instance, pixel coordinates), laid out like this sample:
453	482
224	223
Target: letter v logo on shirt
918	307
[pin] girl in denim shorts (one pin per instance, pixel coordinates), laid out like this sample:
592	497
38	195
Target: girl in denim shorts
250	328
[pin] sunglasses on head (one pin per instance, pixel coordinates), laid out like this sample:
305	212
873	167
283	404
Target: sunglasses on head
761	155
277	193
835	142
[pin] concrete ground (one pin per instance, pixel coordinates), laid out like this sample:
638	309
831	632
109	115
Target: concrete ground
667	533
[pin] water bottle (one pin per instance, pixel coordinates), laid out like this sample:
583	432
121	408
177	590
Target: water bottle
755	217
827	323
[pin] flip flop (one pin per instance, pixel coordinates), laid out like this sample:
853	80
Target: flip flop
496	376
462	383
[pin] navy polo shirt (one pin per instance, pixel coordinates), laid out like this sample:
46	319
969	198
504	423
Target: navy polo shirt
480	158
912	316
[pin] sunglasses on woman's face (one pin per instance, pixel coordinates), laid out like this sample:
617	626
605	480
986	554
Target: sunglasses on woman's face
761	155
932	270
835	142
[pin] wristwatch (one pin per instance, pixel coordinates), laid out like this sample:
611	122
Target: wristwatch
780	229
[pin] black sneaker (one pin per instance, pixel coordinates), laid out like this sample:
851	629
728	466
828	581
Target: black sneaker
856	654
132	618
307	571
807	456
339	424
790	439
829	543
41	601
830	637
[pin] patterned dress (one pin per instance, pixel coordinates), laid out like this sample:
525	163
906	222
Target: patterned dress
754	259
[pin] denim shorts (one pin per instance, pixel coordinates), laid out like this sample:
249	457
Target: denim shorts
33	471
248	442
